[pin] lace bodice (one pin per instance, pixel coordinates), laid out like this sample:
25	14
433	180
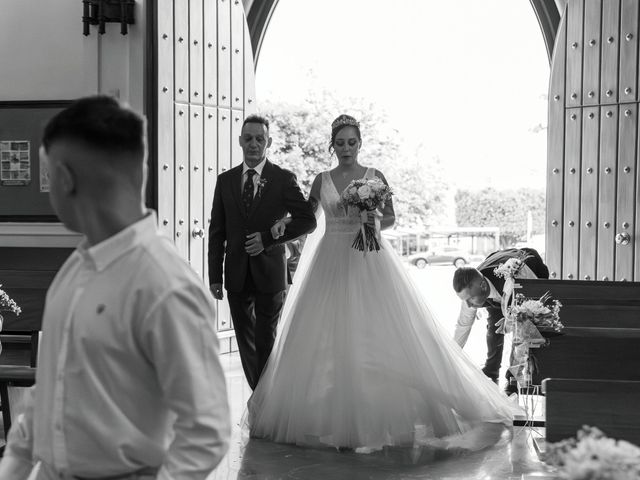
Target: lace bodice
337	219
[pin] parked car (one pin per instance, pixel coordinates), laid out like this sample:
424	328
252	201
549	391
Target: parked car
442	256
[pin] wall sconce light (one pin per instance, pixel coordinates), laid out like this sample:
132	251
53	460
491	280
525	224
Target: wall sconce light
99	12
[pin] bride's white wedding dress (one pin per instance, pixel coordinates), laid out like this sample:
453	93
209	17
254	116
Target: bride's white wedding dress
360	361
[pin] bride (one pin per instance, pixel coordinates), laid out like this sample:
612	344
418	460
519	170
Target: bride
359	360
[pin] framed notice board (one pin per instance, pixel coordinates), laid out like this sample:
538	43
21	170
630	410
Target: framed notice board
24	182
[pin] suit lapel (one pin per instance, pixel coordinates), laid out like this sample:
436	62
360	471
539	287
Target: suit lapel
265	182
236	187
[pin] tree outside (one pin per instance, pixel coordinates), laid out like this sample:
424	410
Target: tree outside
507	209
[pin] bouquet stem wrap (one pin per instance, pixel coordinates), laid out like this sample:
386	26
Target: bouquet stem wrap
368	238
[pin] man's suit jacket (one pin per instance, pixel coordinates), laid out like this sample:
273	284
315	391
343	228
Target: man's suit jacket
230	224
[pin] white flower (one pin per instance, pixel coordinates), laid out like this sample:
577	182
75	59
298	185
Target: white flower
353	191
364	192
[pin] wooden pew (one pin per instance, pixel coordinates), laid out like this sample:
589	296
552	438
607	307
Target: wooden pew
25	274
611	405
602	330
590	374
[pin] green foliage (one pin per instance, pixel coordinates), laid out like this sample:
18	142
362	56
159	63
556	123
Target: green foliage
506	209
301	135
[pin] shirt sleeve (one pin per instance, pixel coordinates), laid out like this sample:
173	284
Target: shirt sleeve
18	453
466	317
180	341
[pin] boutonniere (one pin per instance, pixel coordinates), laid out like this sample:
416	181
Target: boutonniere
261	184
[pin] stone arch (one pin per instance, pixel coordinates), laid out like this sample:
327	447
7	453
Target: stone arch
260	12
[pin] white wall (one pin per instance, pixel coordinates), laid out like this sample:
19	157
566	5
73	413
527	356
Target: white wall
44	56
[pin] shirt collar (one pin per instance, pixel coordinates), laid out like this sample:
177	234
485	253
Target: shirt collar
258	168
108	251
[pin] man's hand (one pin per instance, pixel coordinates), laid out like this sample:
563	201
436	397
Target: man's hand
216	290
278	229
254	245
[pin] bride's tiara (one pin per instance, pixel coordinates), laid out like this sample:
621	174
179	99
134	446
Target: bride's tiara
345	120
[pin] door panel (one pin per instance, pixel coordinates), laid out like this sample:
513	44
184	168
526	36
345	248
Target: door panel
224	52
224	163
610	44
574	55
181	50
210	156
181	195
592	187
589	201
237	57
591	76
197	226
198	124
555	158
165	112
196	52
571	236
607	191
628	50
626	189
210	52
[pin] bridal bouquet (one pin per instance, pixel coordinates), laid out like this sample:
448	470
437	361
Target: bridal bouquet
594	456
367	195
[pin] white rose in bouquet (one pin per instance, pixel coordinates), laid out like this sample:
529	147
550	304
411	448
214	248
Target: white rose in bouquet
364	192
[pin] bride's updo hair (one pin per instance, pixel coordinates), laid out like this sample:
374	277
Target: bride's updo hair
339	123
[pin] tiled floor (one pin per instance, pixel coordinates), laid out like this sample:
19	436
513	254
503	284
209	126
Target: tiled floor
512	458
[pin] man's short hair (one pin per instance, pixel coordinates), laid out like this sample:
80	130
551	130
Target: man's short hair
463	277
256	119
100	122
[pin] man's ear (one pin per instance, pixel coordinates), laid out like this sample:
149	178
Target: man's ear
67	178
269	142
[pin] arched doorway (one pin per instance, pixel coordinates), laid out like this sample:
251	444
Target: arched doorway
454	114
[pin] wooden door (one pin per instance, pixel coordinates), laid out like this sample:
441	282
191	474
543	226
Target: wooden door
592	176
206	87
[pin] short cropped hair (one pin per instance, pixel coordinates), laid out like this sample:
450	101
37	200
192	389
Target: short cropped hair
100	122
463	277
256	119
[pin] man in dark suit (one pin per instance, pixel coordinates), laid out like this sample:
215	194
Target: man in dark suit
481	288
248	200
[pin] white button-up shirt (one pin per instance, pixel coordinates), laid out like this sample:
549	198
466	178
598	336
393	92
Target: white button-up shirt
256	177
468	314
128	373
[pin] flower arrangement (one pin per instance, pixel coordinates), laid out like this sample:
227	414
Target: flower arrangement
367	195
594	456
543	313
526	319
7	304
510	268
